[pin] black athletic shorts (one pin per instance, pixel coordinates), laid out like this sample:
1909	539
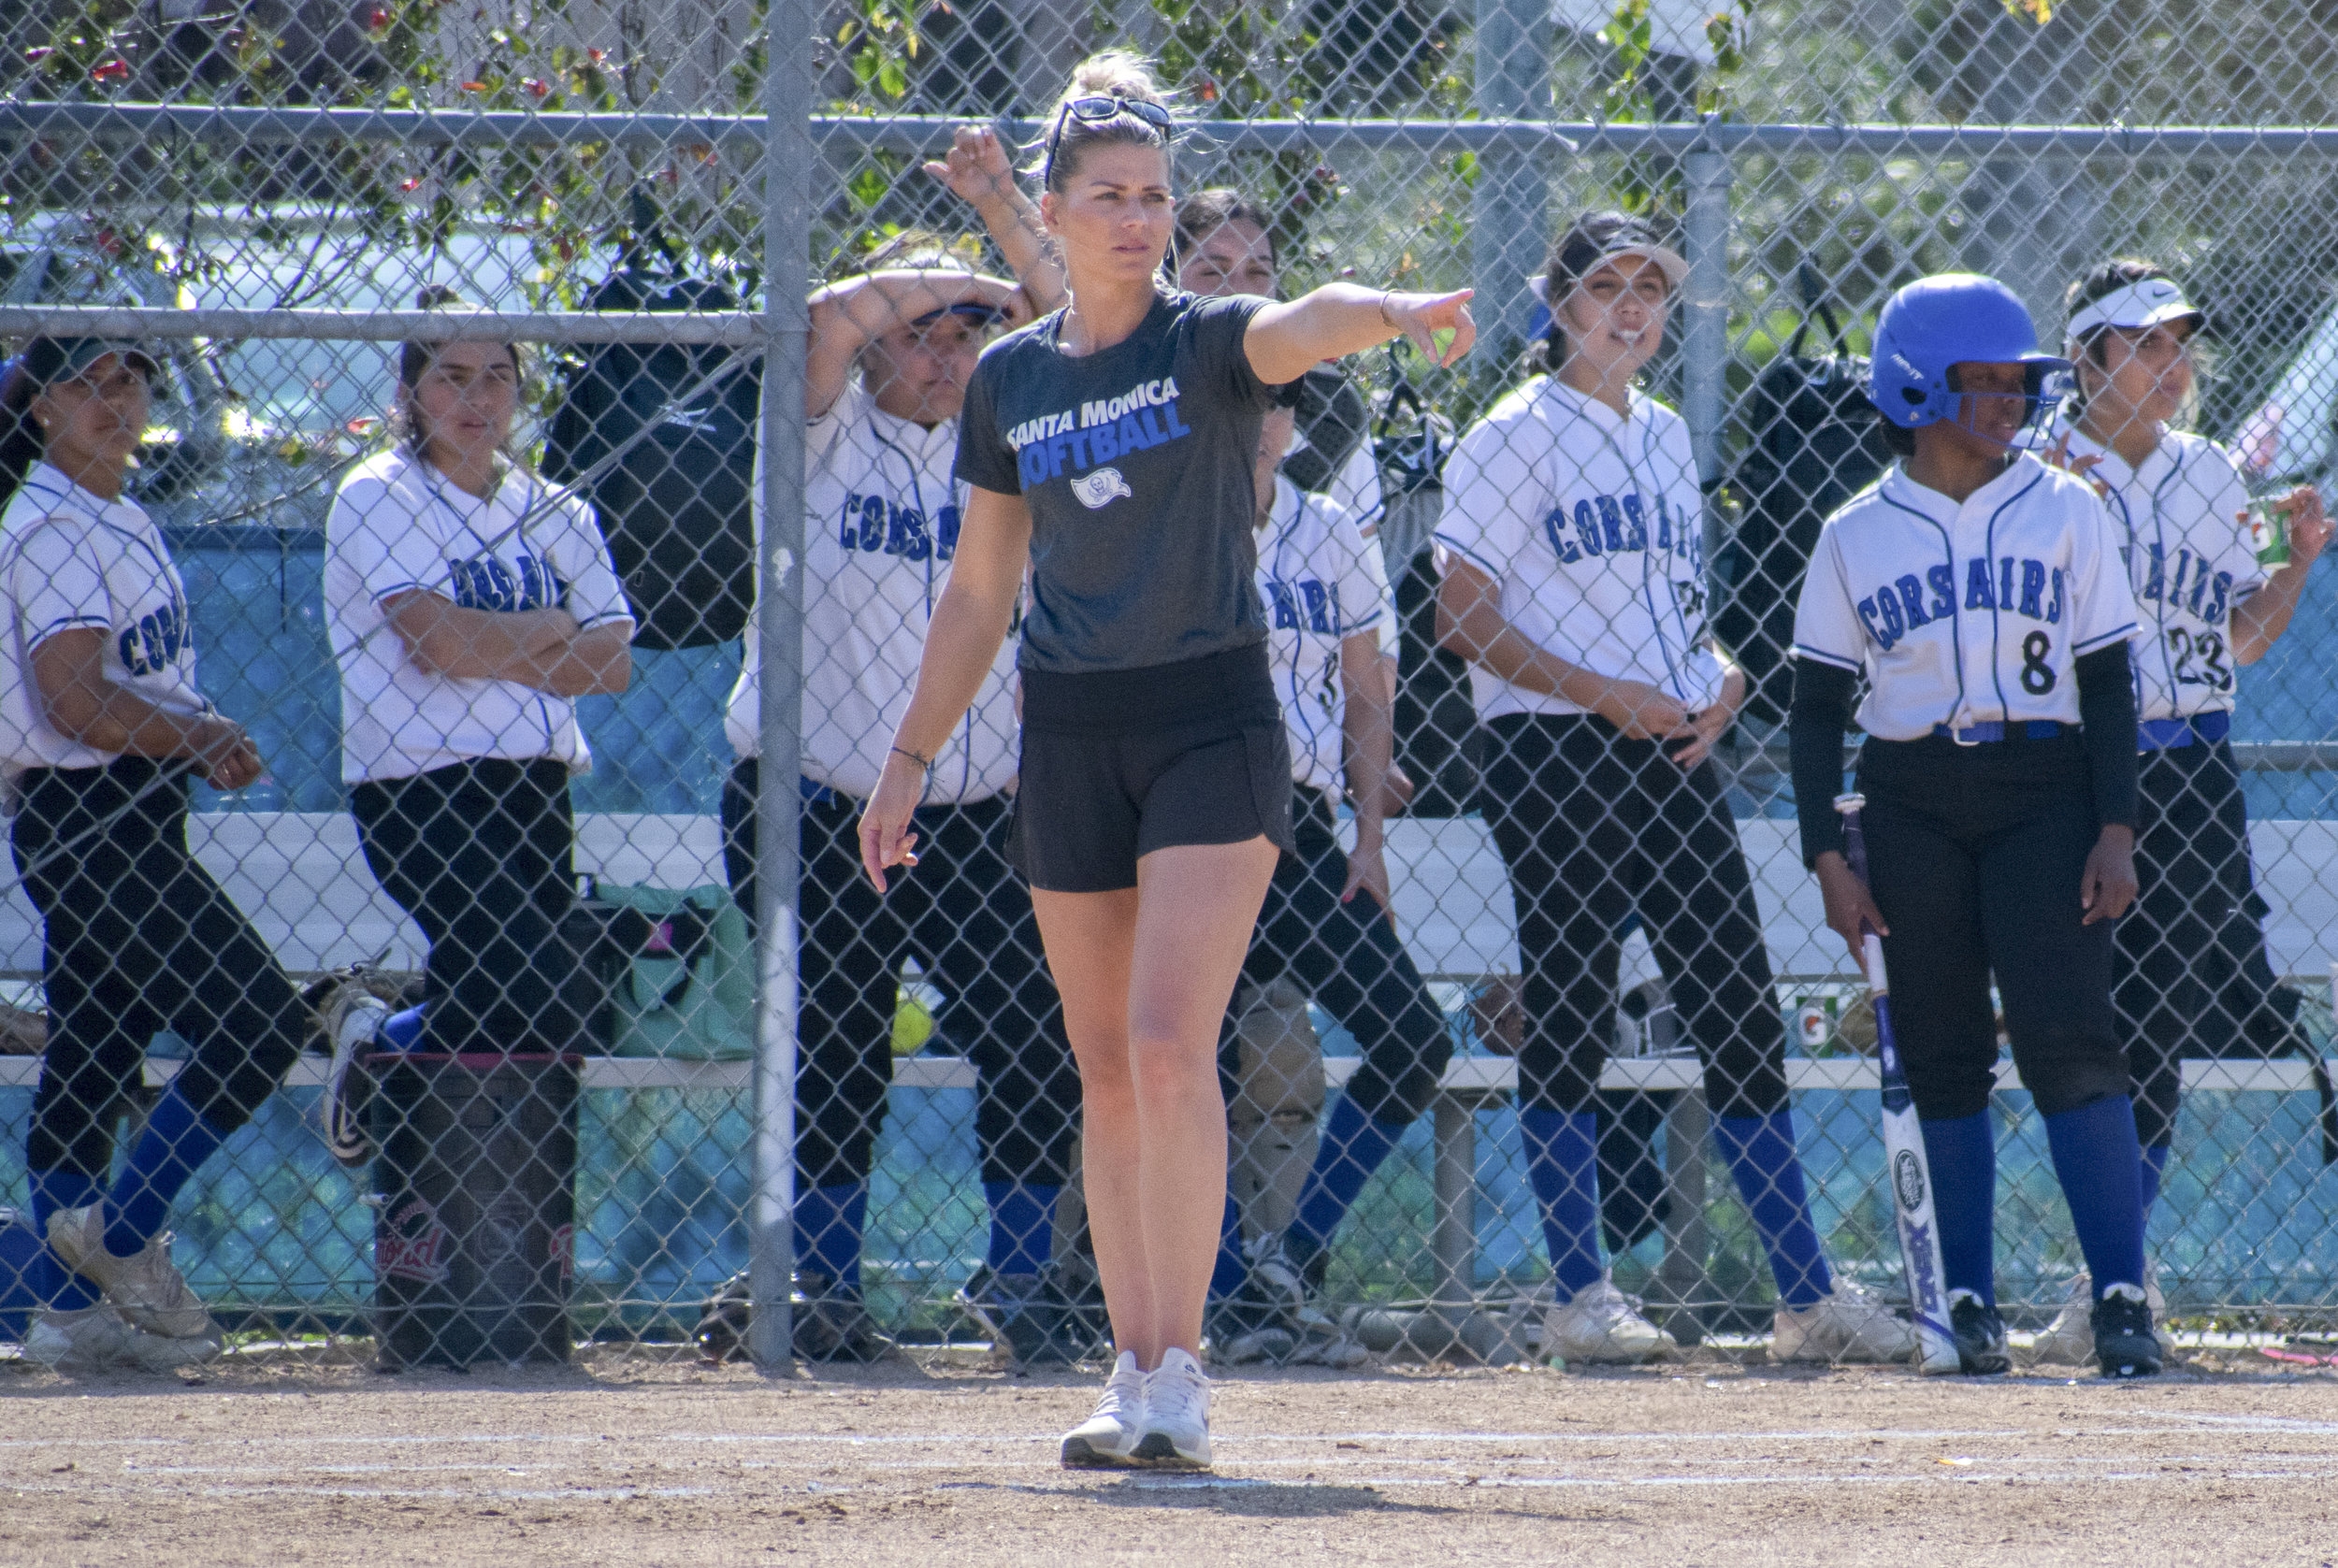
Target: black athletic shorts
1123	762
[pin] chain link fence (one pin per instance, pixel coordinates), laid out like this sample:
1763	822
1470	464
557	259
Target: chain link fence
637	194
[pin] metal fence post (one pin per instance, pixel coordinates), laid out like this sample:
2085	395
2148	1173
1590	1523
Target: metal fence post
1510	218
1705	321
787	163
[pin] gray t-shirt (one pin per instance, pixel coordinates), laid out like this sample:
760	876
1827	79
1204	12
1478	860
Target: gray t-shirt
1136	463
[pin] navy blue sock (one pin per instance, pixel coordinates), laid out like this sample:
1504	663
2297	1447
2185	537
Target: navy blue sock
828	1222
1353	1146
54	1191
1761	1155
2100	1169
1963	1156
175	1141
2155	1171
1022	1226
1226	1278
1563	1165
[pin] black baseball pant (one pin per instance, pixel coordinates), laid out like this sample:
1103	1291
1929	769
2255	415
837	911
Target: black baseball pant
139	938
482	854
2190	975
1595	829
966	918
1975	854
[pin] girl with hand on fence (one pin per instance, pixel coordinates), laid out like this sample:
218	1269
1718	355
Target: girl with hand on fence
469	605
1111	448
1573	580
892	348
1978	592
104	724
2190	973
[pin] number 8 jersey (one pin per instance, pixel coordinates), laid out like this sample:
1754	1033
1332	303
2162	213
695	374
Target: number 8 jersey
2177	518
1960	616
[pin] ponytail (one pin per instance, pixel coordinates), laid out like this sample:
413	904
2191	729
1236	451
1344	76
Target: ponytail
22	444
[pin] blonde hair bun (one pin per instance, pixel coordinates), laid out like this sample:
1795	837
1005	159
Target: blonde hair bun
1118	73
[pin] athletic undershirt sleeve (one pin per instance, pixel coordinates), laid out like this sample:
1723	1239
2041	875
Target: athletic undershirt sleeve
1816	721
60	583
2106	709
984	459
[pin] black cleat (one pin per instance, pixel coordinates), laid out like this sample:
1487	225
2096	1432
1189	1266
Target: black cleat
1980	1335
830	1324
2124	1343
1025	1315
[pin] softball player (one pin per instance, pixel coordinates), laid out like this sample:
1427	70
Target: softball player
103	724
1572	578
882	527
1326	919
2189	963
1979	594
469	605
1110	448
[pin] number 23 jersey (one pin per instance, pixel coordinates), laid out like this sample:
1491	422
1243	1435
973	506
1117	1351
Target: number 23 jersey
1961	614
2177	521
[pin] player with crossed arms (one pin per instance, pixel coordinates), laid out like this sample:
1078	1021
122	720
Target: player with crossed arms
1980	594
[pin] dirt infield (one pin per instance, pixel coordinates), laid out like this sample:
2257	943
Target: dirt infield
630	1460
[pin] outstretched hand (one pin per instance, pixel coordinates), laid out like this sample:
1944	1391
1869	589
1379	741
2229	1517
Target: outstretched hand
1422	318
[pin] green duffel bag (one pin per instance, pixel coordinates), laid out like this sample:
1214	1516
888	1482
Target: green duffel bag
689	995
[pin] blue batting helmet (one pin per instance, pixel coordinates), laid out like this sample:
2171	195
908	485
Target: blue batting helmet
1934	322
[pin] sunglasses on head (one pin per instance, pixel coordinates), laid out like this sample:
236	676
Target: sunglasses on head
1094	111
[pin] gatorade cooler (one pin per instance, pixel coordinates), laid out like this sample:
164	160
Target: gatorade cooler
473	1241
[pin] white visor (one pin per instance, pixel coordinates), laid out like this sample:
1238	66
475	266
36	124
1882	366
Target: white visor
2149	303
1669	262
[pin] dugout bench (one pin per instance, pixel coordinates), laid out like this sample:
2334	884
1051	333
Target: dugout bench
302	879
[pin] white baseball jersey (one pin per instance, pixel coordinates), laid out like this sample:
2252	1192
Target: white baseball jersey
1322	581
880	531
2190	564
70	560
398	525
1964	614
1590	522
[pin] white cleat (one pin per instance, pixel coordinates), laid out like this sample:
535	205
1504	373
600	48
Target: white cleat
146	1286
1177	1415
83	1340
1602	1324
353	1021
1850	1324
93	1339
1107	1439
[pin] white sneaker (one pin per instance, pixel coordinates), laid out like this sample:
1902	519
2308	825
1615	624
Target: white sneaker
1177	1415
1602	1324
1850	1324
2069	1339
1108	1437
90	1339
146	1286
353	1021
82	1340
